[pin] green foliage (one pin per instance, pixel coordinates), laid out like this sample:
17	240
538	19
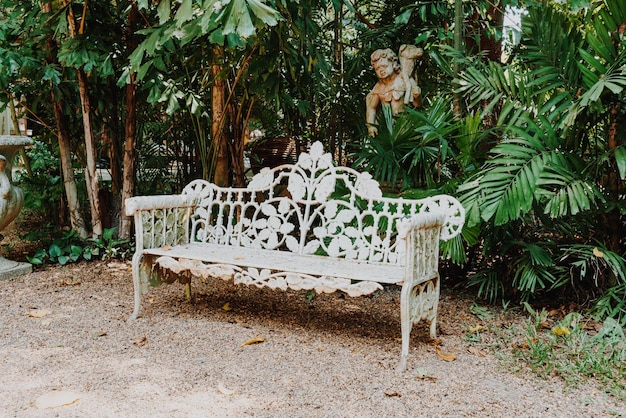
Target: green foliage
573	348
546	195
412	149
612	304
43	188
569	351
70	248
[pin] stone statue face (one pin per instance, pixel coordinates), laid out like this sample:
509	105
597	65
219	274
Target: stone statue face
383	67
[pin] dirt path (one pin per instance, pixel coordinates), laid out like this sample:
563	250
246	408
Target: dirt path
63	332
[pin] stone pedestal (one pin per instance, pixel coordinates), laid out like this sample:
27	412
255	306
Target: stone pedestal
11	198
10	269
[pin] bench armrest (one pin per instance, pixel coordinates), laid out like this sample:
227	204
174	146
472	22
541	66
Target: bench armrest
422	233
141	203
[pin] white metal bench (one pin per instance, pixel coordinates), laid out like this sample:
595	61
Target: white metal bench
310	226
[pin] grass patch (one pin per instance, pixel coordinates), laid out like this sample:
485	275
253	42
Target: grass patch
575	349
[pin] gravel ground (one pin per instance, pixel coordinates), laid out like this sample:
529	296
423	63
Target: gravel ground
64	332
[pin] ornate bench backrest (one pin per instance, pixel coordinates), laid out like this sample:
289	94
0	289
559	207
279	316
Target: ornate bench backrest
312	207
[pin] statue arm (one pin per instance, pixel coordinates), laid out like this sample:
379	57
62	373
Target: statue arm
372	102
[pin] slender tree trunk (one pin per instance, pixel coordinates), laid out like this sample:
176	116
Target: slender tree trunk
130	131
76	218
239	124
16	127
218	105
457	107
239	127
91	176
614	184
69	181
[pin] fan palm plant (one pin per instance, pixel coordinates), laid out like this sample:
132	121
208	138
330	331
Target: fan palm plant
412	149
552	189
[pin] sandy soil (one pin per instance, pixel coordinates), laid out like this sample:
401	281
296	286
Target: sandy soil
65	339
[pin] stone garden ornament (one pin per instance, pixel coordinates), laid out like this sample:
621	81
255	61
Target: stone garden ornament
396	86
11	199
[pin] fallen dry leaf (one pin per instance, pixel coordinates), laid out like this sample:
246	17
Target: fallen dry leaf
166	247
520	345
253	341
55	399
140	341
226	307
477	328
444	356
431	341
39	313
223	390
559	312
592	326
598	253
477	352
390	394
99	334
69	282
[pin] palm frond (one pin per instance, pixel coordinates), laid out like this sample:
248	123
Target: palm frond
384	154
507	188
567	192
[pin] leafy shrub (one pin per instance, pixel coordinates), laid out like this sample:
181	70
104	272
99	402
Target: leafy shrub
43	188
71	248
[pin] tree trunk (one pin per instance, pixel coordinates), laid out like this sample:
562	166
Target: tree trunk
71	192
69	181
239	127
478	39
218	105
457	107
130	131
91	176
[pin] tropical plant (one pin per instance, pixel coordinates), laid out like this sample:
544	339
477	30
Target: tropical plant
71	248
550	195
412	149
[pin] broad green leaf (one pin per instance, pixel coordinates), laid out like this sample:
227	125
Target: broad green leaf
576	5
54	251
52	73
235	18
263	12
164	10
592	60
620	159
404	17
183	14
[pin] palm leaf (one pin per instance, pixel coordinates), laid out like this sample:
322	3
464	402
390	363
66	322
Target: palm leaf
566	193
507	188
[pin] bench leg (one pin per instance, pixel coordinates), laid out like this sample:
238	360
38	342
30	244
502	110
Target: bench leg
417	302
136	285
433	308
405	324
188	293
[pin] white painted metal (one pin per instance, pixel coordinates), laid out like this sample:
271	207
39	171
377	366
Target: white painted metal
310	225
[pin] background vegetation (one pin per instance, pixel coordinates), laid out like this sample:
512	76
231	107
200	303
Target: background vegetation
162	92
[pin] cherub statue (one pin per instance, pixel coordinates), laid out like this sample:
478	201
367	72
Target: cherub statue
396	86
